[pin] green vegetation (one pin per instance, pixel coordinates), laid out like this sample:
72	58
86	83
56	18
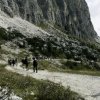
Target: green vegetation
32	89
52	91
47	48
3	51
60	28
7	35
77	65
68	67
15	34
3	34
47	65
43	25
84	42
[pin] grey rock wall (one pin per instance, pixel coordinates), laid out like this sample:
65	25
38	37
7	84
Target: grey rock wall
71	15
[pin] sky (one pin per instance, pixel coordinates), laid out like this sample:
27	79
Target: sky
94	7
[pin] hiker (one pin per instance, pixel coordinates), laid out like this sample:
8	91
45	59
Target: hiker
25	62
13	62
9	62
35	64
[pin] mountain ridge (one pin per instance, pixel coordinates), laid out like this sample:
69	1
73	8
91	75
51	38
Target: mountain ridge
72	16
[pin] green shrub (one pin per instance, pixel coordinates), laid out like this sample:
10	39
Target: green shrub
72	65
52	91
42	25
3	34
6	35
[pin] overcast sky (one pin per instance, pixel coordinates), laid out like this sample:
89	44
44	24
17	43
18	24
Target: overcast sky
94	7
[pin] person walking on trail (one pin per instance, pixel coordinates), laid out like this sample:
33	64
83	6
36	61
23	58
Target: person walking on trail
13	62
9	62
26	63
35	64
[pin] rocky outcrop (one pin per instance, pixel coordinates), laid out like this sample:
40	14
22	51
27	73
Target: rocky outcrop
7	94
71	15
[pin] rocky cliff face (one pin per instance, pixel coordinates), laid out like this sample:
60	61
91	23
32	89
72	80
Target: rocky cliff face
71	15
56	17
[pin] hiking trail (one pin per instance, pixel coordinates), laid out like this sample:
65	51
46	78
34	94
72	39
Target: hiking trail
87	86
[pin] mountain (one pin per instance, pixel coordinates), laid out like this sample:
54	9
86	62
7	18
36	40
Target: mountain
72	16
49	28
59	33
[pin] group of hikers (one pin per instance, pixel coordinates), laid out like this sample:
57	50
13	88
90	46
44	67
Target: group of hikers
25	61
12	62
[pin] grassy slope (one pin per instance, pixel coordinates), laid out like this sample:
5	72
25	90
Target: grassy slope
47	65
42	90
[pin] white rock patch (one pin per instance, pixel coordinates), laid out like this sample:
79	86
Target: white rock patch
26	28
6	95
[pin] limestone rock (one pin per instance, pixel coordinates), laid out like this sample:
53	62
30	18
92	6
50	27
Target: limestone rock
70	15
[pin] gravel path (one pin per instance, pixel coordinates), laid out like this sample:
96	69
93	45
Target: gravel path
87	86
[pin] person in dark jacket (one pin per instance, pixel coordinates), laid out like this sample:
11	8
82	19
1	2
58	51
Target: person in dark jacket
13	62
35	64
9	62
26	62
